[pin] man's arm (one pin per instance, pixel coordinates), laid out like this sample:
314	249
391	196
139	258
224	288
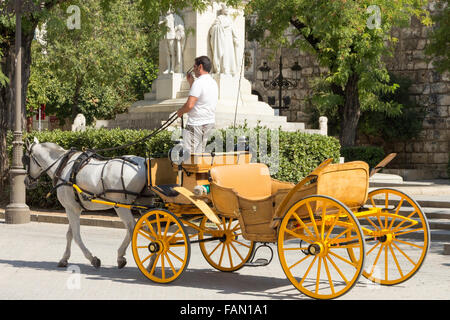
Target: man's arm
190	103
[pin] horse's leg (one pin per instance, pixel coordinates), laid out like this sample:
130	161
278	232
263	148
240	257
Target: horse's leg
128	220
64	261
74	221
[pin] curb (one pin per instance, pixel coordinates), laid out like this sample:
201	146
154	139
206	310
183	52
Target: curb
85	219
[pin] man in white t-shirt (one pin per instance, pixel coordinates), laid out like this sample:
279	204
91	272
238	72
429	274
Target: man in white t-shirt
200	106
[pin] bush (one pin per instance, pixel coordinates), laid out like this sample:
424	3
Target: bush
299	153
370	154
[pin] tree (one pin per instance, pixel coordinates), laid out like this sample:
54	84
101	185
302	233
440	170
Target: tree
439	46
350	38
96	69
36	12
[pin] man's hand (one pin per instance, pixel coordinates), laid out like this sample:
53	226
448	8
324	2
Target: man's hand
190	79
190	103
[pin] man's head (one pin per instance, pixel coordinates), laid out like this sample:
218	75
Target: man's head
202	65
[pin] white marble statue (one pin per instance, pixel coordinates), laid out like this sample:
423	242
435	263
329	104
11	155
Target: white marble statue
224	44
79	123
174	41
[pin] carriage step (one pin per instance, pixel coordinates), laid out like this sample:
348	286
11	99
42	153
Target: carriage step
260	262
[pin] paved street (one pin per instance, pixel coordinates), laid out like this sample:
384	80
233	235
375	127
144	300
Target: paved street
29	254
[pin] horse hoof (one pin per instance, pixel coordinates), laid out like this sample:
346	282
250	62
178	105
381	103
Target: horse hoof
62	264
96	262
121	263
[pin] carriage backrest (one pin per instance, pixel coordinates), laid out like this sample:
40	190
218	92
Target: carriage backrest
250	180
347	182
161	172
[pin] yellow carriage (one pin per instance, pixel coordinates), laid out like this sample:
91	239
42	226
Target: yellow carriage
328	229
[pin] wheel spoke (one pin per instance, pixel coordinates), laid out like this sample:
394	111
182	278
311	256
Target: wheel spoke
163	271
409	231
408	243
145	235
234	248
229	255
332	227
403	253
170	263
307	271
150	228
299	236
373	224
343	259
302	224
218	245
177	257
376	259
338	270
328	275
313	221
147	257
396	261
300	261
154	264
221	254
376	245
318	274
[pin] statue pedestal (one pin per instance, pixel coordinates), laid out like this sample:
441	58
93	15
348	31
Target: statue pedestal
171	92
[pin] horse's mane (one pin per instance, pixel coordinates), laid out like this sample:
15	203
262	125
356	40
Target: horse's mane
54	149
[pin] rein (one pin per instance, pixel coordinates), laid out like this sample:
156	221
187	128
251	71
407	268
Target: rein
26	159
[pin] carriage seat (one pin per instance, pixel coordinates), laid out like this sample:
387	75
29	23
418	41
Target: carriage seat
247	192
167	189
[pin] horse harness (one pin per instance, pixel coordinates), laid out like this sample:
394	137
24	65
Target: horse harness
80	162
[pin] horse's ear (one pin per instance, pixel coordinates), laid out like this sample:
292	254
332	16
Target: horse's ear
27	144
36	140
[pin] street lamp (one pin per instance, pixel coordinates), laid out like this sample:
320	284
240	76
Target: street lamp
280	83
17	211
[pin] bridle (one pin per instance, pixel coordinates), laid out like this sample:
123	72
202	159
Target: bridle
26	160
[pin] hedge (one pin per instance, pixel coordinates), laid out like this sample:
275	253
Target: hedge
299	153
370	154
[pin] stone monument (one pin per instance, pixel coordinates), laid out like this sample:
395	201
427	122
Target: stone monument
219	33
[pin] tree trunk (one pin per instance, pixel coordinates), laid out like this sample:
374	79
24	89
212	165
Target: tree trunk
350	112
7	93
76	97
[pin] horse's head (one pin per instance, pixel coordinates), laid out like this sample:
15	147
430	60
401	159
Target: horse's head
38	159
33	168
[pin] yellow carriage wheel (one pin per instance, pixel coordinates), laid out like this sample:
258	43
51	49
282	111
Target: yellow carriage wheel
161	246
230	251
398	244
313	238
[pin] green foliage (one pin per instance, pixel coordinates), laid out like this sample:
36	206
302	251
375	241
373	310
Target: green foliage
99	69
299	153
395	127
439	45
344	38
370	154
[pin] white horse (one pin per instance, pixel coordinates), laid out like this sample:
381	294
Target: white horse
45	158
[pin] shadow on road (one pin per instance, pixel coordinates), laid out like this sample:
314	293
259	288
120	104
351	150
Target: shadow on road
209	279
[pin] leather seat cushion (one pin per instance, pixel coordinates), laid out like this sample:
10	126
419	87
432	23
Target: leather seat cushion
251	180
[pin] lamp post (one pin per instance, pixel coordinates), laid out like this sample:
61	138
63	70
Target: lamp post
280	83
17	211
